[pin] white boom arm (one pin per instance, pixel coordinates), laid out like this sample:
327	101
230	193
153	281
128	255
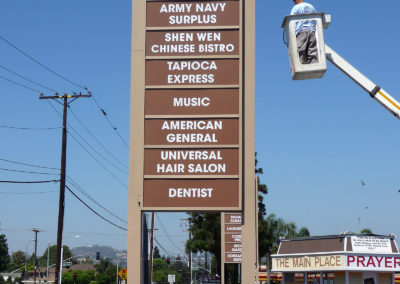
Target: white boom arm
375	92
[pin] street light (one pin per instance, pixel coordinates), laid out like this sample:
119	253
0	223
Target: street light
61	260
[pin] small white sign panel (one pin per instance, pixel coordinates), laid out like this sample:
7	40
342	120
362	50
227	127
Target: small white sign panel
371	244
171	278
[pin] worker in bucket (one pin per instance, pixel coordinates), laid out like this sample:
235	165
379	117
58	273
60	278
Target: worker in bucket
305	33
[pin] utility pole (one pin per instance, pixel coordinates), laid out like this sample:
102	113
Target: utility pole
60	228
190	250
190	256
36	263
151	246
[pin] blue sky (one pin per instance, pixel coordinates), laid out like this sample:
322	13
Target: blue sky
315	139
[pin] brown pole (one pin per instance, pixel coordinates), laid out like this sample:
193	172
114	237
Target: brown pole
62	191
190	256
151	246
36	263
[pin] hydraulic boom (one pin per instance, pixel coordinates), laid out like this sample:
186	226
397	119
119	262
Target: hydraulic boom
373	90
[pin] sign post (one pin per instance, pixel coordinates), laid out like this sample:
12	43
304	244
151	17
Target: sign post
192	105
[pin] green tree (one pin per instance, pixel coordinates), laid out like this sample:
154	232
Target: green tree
272	229
17	261
206	234
4	256
156	252
53	256
262	190
366	231
82	277
106	272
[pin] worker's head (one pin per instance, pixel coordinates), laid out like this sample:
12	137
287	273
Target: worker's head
298	1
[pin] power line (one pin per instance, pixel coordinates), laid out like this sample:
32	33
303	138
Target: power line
109	122
74	184
28	128
39	181
27	172
97	140
29	80
19	84
108	221
29	165
44	66
87	151
28	193
165	231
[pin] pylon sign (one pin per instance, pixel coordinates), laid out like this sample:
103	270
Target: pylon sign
123	273
191	105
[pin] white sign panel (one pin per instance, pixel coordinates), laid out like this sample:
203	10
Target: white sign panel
371	244
373	262
171	278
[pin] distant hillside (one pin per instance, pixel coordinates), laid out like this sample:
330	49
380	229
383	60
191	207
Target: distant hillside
105	252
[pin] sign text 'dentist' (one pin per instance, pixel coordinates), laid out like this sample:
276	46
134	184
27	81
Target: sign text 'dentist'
191	193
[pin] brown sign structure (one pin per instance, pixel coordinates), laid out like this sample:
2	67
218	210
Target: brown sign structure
191	132
193	13
193	106
192	72
189	101
210	193
189	43
233	237
191	162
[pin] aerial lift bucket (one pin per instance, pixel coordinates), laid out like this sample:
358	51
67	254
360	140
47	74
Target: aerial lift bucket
306	71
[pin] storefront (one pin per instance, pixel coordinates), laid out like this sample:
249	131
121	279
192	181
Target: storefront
338	259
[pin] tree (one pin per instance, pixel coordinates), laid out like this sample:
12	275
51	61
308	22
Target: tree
272	229
106	272
17	261
4	257
82	277
262	190
156	252
366	231
53	256
206	234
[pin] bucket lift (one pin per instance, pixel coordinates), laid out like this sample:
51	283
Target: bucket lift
317	70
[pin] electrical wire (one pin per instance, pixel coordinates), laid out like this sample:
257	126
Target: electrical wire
27	79
44	66
65	79
80	189
87	151
166	234
28	193
39	181
21	85
28	128
97	140
29	165
94	150
91	209
168	252
109	122
27	172
87	143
